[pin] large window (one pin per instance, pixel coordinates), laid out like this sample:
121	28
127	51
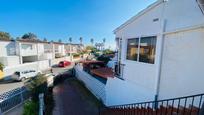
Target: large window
145	46
132	49
147	49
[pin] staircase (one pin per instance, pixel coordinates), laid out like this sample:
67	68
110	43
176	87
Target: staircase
189	105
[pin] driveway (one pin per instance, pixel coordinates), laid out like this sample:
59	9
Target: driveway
72	98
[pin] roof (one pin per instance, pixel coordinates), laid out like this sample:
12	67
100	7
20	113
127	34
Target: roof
150	7
32	41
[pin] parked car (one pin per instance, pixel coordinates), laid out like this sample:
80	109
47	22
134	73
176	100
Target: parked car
64	63
23	75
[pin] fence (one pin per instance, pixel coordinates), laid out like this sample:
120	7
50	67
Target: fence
13	98
189	105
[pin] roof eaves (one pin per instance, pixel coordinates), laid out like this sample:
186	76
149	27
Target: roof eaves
138	15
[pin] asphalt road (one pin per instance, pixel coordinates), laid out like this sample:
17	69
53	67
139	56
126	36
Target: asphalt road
10	84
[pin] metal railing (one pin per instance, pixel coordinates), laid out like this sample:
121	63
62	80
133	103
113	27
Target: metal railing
189	105
13	98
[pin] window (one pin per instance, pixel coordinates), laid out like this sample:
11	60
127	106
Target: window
147	49
132	49
145	46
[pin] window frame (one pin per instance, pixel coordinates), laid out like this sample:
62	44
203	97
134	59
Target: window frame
137	48
138	51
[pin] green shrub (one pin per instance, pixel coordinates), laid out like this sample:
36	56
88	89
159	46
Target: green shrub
30	108
37	85
76	55
1	66
104	59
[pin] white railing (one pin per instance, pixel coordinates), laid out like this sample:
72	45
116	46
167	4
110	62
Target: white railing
12	99
94	85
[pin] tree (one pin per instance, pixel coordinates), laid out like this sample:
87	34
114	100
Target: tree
1	66
104	41
70	39
92	41
80	39
4	36
18	38
29	36
60	41
45	40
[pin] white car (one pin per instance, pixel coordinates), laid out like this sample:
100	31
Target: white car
23	75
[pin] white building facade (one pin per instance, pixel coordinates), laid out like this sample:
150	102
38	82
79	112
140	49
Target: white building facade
160	52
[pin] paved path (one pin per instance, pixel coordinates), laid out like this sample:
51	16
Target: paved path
70	100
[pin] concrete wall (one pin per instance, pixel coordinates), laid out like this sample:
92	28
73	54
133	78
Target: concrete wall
182	65
10	60
124	92
40	65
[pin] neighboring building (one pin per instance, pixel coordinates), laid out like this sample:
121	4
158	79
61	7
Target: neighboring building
59	49
9	53
159	55
74	48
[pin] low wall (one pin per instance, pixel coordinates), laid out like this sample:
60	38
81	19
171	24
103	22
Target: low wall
96	87
39	66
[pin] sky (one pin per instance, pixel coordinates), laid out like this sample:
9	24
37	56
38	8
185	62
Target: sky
61	19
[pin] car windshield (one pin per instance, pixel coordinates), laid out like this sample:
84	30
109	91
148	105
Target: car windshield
17	73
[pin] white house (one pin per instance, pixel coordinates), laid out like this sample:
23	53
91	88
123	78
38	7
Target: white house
159	53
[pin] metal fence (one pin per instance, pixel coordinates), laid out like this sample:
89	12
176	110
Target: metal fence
189	105
13	98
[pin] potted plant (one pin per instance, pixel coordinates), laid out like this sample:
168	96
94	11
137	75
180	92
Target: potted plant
1	71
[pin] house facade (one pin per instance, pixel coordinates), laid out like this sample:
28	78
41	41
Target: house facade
159	51
159	55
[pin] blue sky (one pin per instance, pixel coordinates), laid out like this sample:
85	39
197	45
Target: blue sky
61	19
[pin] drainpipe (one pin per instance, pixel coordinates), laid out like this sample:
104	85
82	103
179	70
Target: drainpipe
163	26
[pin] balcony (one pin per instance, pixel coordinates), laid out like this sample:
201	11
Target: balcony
28	49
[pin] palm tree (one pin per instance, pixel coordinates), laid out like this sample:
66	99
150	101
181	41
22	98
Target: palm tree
104	41
80	39
92	41
70	40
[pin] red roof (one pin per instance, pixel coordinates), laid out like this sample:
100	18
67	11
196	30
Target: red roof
103	72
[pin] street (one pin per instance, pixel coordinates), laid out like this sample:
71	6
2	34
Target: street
6	86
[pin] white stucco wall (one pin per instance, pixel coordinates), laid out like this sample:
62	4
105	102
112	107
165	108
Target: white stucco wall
10	60
124	92
182	65
139	78
182	13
